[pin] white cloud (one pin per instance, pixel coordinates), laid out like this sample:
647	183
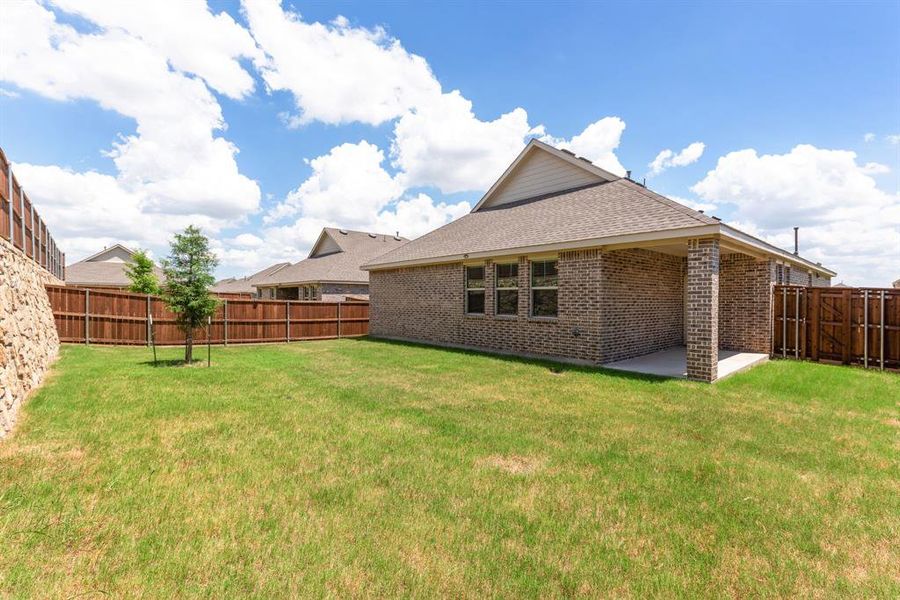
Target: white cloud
443	144
893	139
668	158
8	93
706	207
348	188
846	221
348	185
418	215
874	168
192	38
869	137
596	143
173	169
337	73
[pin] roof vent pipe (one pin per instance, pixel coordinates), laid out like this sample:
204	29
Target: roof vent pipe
796	242
627	174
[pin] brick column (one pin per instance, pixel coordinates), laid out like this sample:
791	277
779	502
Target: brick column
702	309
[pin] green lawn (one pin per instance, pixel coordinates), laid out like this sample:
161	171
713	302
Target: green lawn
365	468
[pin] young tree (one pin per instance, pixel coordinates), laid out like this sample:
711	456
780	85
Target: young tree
188	271
140	272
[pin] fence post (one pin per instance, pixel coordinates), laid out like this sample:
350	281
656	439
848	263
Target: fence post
9	177
225	335
814	326
339	318
87	317
845	325
797	323
148	320
34	253
287	320
881	340
22	212
783	322
865	329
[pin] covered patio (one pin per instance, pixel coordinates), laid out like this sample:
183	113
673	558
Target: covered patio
672	362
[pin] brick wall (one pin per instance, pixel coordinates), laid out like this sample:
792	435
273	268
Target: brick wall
745	292
702	309
643	303
335	292
639	309
427	303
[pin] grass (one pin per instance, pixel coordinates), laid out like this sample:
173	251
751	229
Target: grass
365	468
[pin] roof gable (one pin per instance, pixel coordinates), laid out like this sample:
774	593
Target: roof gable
326	243
115	253
541	169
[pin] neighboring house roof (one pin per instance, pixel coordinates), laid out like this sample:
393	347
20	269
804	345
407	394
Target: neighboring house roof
104	269
335	257
840	284
896	284
244	285
602	210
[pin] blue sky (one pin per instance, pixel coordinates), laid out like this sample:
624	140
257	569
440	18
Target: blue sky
796	106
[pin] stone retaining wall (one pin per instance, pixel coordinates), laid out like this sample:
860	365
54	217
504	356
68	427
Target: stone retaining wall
28	339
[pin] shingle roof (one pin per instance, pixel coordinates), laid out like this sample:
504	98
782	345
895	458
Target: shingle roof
357	248
102	273
244	285
619	207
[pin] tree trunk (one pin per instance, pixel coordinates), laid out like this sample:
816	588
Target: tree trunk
189	347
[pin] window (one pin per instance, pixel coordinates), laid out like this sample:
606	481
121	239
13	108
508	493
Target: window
544	282
475	290
507	289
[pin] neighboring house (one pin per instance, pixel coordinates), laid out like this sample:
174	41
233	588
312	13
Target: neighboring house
243	286
106	269
561	258
332	270
896	284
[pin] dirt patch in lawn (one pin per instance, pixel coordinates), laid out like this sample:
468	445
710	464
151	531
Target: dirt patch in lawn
514	464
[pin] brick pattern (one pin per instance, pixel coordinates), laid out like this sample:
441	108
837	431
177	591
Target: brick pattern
745	307
427	303
335	292
611	306
702	309
642	308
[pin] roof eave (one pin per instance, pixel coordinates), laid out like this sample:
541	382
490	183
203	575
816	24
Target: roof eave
668	234
710	230
308	282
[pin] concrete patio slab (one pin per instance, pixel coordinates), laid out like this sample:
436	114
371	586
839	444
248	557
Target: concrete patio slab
672	362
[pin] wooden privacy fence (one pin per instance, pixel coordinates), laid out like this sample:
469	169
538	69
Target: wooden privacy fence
109	317
22	225
841	325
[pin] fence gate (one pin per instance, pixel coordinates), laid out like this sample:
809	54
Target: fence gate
838	325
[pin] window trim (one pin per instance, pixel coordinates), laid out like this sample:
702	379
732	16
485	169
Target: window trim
497	290
467	289
532	288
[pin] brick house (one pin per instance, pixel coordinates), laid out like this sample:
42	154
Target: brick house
563	259
243	286
105	269
332	270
